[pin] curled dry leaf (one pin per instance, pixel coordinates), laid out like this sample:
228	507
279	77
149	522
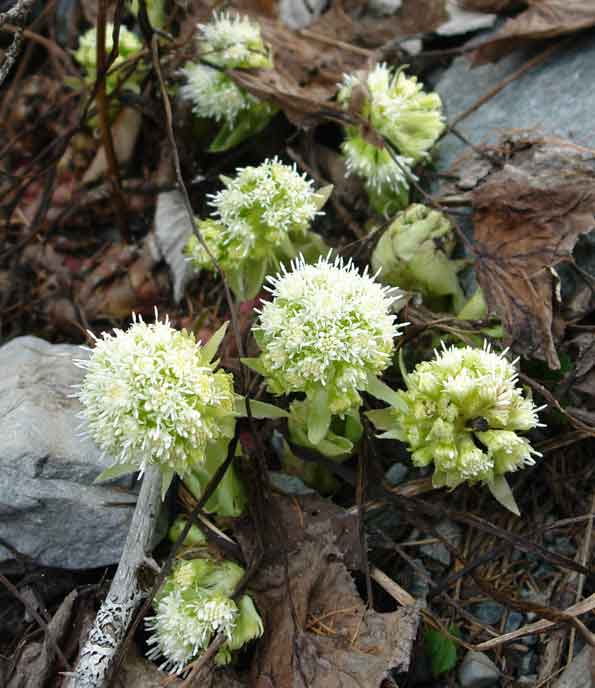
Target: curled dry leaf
528	217
318	631
544	19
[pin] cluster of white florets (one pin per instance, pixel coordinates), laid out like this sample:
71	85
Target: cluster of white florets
183	625
257	211
194	605
328	326
228	41
232	40
213	94
400	111
150	397
461	412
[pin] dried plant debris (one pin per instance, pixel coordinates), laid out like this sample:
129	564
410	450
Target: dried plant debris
541	20
318	630
528	216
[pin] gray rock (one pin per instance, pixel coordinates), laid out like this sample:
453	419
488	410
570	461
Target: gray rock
488	612
514	621
450	531
396	474
557	96
478	671
578	673
289	484
528	663
50	510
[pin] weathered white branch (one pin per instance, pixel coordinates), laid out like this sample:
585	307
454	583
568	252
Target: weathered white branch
95	663
16	15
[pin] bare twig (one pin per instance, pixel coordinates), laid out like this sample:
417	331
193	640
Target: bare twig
104	124
96	660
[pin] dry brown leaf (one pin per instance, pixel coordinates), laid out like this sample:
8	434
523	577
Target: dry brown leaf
492	5
543	19
318	631
528	217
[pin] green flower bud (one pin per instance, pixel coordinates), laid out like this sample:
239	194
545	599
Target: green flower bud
128	45
195	537
414	253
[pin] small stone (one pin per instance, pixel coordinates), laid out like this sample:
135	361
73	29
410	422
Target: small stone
527	681
478	671
50	509
528	663
419	586
396	474
578	673
289	484
488	613
514	621
529	640
565	546
438	552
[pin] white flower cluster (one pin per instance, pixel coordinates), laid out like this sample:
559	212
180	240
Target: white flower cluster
184	624
194	605
327	326
232	40
461	412
150	397
213	94
400	111
261	204
260	218
228	41
377	166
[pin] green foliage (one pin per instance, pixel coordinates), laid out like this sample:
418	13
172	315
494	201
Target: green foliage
441	649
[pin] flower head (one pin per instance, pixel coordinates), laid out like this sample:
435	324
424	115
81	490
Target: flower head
195	605
213	94
233	41
151	396
414	253
86	54
258	216
461	411
328	328
400	111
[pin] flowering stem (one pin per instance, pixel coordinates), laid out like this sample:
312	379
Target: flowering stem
96	660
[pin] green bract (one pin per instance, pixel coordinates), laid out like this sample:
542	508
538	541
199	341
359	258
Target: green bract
327	333
128	45
193	606
461	412
229	41
155	12
414	253
261	218
402	113
151	396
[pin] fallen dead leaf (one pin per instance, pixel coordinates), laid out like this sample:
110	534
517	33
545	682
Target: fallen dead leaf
492	5
318	631
528	217
543	19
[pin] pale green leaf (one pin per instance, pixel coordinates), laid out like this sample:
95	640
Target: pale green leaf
319	417
259	409
167	475
382	391
116	471
501	491
211	347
